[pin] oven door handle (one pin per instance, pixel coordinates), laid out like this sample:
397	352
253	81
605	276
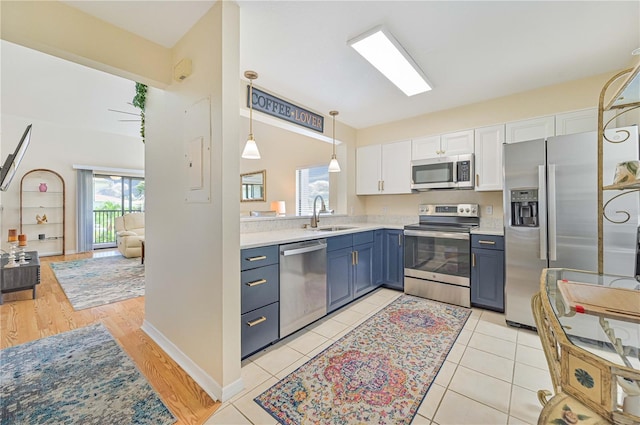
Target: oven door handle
447	235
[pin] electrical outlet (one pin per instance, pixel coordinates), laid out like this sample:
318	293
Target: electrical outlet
384	210
489	209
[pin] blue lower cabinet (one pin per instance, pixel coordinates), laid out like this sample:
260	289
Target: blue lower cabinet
260	285
487	272
260	328
339	278
363	269
378	257
393	252
349	268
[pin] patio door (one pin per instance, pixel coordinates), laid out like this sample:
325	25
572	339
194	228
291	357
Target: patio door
113	196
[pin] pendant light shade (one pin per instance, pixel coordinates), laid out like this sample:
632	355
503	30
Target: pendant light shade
334	167
250	150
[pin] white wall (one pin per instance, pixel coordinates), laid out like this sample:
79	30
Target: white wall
192	299
58	147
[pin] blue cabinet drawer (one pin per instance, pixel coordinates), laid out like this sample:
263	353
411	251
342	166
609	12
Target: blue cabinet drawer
257	257
339	242
259	328
259	287
362	237
487	242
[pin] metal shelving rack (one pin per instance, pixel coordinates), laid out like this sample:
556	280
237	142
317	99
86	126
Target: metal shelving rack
621	105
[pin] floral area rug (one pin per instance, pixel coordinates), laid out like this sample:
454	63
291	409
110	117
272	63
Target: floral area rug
96	281
76	377
378	373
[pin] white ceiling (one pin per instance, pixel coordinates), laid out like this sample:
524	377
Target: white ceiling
470	51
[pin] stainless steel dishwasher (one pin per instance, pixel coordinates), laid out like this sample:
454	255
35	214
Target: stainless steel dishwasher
303	284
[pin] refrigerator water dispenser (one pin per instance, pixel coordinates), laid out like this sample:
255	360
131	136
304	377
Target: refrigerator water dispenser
524	207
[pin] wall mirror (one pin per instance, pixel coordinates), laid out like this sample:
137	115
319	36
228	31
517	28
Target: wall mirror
253	186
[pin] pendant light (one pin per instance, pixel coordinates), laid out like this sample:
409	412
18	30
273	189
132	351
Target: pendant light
250	148
334	167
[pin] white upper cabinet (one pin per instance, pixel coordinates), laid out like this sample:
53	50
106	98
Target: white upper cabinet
577	122
458	143
426	147
488	157
384	169
532	129
368	170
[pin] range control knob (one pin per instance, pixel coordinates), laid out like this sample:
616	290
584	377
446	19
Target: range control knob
473	210
461	210
466	210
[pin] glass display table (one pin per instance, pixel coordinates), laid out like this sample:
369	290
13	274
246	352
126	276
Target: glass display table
589	325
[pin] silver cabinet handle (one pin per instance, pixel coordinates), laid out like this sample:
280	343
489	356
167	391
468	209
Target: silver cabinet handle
258	258
256	282
487	242
399	240
296	251
257	321
436	234
473	259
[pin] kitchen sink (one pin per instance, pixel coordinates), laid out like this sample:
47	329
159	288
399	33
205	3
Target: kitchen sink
330	228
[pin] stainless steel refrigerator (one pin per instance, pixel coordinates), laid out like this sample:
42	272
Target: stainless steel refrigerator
550	213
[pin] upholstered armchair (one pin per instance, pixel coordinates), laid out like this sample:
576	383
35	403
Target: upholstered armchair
130	234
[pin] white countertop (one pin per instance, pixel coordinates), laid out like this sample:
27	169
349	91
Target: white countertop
495	231
277	237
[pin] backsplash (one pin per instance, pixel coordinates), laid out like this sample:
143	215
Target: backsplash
269	224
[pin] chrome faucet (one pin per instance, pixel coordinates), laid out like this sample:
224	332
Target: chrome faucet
315	218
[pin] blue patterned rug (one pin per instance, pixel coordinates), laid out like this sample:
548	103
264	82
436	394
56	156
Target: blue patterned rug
378	373
77	377
103	280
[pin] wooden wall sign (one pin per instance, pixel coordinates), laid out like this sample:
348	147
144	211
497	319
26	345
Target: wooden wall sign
287	111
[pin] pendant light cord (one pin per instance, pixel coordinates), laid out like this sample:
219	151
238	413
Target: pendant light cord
334	135
251	108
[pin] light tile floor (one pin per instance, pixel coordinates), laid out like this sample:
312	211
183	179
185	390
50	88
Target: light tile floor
491	375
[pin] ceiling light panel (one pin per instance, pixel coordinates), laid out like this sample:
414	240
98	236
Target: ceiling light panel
384	52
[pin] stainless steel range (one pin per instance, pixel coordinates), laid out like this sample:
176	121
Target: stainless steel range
437	253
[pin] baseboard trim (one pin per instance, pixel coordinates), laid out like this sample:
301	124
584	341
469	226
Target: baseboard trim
208	384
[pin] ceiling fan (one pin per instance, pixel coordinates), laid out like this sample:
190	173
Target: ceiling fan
127	113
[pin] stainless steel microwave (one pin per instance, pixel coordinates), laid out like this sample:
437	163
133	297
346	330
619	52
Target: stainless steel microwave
447	172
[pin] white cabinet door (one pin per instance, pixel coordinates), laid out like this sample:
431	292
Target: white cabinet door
536	128
458	143
488	157
426	147
396	168
368	170
577	122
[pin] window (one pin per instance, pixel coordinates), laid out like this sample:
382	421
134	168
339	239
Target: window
113	196
311	182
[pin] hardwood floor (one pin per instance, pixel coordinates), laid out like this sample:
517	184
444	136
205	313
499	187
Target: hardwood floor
23	319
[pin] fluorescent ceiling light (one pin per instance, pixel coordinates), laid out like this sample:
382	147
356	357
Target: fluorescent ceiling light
384	52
